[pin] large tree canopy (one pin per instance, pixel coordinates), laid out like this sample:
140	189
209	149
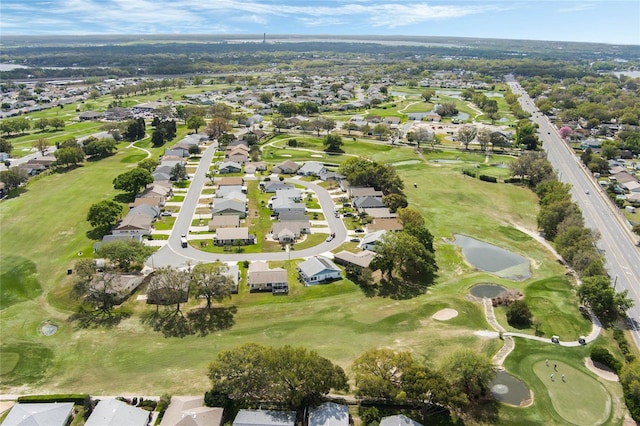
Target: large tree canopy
133	181
293	376
104	214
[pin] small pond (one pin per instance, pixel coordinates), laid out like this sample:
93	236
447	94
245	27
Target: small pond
509	390
487	290
493	259
48	328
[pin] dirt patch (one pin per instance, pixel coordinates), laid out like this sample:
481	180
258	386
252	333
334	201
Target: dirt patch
601	370
445	314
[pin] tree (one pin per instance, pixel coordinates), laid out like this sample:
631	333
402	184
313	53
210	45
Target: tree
428	94
100	147
57	123
194	149
41	124
148	164
211	282
379	372
518	314
466	134
169	286
423	135
217	127
402	257
552	215
135	129
333	143
69	155
630	381
14	177
484	138
470	373
381	130
410	216
431	388
447	109
178	173
133	181
41	145
102	292
394	201
21	124
104	214
526	135
195	122
279	123
349	126
565	131
607	304
254	373
5	146
125	254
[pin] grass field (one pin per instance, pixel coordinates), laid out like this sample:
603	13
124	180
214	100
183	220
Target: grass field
46	226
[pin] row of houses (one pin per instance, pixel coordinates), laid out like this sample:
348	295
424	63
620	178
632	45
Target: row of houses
622	177
183	411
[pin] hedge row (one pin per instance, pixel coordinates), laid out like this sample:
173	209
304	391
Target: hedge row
603	356
76	398
487	178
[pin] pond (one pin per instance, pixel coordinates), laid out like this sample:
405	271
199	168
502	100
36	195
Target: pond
493	259
487	290
48	328
509	390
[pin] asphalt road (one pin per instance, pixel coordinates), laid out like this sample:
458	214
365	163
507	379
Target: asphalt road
617	242
173	254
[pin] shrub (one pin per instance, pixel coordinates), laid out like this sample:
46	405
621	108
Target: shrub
78	399
469	172
487	178
603	356
518	314
623	344
512	180
292	143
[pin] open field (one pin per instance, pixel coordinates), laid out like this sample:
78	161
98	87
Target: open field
337	319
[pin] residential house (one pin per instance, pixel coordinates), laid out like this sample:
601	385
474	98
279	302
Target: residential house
119	285
230	181
289	194
255	166
133	224
312	168
261	278
632	186
238	156
294	216
369	240
318	269
280	205
398	420
363	191
234	236
288	231
111	412
361	259
379	213
392	224
191	411
368	202
329	414
90	116
286	167
223	191
49	414
326	176
265	418
274	186
230	221
154	201
229	207
117	114
178	152
229	167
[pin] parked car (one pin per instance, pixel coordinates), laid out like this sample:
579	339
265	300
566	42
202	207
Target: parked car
359	231
329	238
355	240
165	213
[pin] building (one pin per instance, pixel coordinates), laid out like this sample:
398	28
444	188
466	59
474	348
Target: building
265	418
228	221
312	168
361	259
398	420
234	236
286	167
329	414
190	411
261	278
369	240
317	269
49	414
111	412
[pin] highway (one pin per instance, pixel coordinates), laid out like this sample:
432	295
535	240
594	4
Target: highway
617	242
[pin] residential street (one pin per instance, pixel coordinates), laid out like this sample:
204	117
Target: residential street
172	254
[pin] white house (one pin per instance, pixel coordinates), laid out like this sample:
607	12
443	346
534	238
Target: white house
369	240
329	414
264	418
111	412
318	269
312	168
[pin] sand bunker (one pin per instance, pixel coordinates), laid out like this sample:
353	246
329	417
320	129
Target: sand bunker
445	314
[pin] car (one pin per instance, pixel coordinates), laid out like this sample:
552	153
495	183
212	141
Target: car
348	214
555	339
359	231
355	240
582	340
329	238
165	213
586	192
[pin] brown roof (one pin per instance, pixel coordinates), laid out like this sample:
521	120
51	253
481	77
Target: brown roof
361	259
259	273
233	180
232	233
224	221
150	201
134	221
392	224
190	411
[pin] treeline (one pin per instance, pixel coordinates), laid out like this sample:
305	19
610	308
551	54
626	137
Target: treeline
253	375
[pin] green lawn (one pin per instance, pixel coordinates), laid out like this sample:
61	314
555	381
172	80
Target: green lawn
19	280
46	226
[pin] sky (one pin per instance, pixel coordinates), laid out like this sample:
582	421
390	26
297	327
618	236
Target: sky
599	21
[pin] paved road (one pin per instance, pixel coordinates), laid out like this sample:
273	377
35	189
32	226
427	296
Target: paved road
172	254
616	242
